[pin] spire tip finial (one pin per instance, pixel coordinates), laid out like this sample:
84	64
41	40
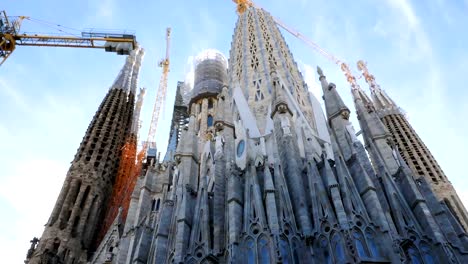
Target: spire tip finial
320	72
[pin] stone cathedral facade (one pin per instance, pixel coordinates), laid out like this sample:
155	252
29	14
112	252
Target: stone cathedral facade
257	173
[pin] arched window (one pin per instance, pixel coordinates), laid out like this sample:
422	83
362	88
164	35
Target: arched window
157	204
414	255
284	250
360	244
263	251
240	148
338	248
296	251
250	251
210	103
209	121
371	243
426	254
326	251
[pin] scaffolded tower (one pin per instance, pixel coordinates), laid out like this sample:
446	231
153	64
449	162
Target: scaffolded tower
72	227
126	175
210	77
412	149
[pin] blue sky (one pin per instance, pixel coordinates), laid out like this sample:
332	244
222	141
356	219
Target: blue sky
48	95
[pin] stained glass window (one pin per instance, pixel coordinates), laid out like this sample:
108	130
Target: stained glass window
326	251
414	255
240	148
426	252
371	243
209	121
360	244
263	251
296	251
338	247
284	250
250	251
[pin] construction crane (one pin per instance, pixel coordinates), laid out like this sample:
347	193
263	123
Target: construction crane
11	37
243	5
158	105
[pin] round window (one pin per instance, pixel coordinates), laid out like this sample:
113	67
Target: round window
240	148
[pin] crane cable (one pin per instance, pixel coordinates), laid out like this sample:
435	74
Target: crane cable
52	25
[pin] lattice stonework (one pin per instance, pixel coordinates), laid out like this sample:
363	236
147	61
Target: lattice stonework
259	46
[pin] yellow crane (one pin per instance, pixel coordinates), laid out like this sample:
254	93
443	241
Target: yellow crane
158	104
11	37
243	5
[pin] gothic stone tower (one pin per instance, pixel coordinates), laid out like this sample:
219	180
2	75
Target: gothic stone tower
412	149
259	175
126	176
72	227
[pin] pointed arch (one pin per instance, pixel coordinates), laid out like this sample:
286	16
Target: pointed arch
411	252
414	255
209	121
370	237
296	251
360	243
426	253
263	250
250	251
338	248
325	249
284	250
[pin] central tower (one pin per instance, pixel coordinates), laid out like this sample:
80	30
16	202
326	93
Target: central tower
258	47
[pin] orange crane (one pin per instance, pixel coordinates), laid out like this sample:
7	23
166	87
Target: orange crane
243	5
11	37
158	105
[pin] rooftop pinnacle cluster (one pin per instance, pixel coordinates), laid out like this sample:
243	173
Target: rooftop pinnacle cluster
256	172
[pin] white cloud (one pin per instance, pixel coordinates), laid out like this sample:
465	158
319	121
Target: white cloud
102	12
105	9
308	72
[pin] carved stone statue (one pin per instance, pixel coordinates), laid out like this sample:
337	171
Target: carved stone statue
34	242
285	125
319	71
219	145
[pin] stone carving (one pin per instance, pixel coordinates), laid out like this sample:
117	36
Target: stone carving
285	125
34	242
219	145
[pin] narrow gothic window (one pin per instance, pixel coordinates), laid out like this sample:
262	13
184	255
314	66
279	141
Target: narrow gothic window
157	204
371	242
360	244
284	250
263	251
210	103
250	251
326	251
209	121
296	251
426	252
338	247
414	255
240	148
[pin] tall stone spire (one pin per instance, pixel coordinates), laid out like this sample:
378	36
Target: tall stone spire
412	149
69	234
334	104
